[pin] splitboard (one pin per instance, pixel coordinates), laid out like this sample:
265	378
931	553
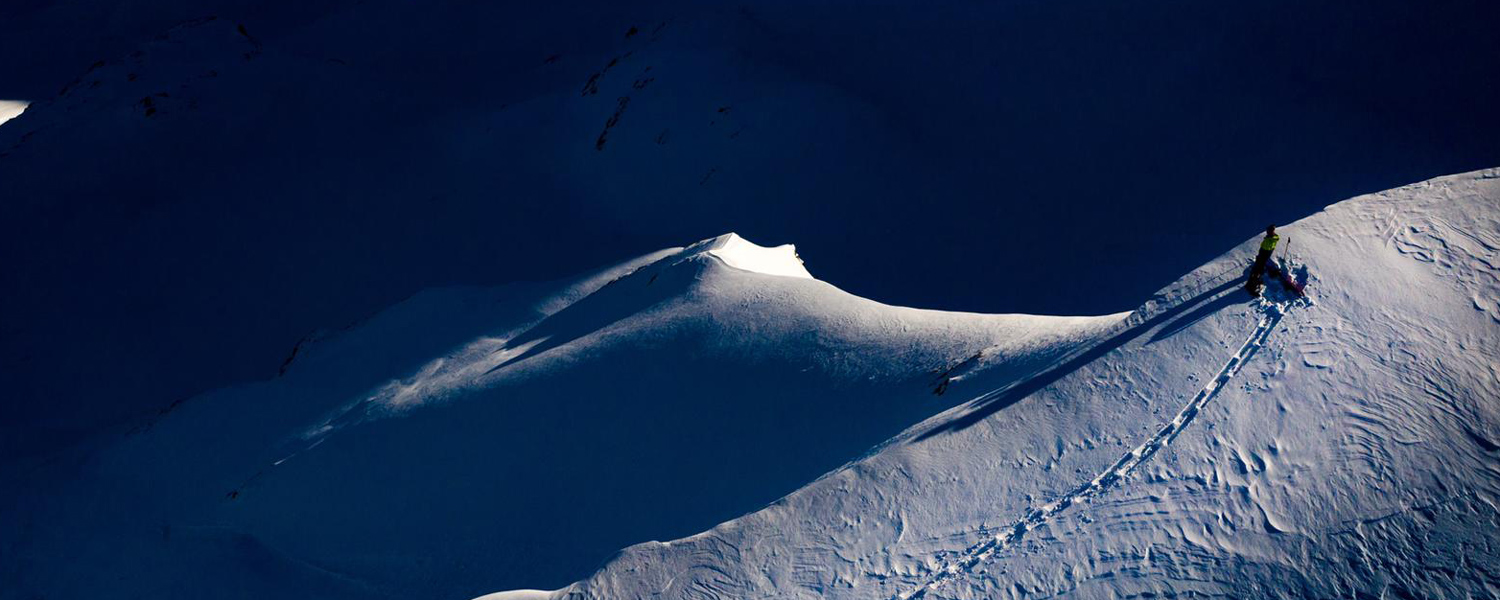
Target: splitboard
1277	270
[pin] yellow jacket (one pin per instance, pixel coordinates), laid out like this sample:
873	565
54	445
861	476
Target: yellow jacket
1269	244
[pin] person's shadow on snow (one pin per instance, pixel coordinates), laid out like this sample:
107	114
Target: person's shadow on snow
1170	322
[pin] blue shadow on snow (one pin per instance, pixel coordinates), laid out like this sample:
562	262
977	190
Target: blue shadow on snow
998	400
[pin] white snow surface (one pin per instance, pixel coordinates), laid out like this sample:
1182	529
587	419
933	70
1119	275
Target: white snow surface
736	252
1339	446
796	441
474	439
10	109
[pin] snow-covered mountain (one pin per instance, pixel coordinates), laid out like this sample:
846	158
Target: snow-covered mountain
474	438
195	186
1342	446
792	440
236	360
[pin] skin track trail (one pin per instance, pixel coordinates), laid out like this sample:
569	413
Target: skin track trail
1271	315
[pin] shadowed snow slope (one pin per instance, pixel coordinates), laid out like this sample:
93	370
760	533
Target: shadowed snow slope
1344	445
474	439
186	197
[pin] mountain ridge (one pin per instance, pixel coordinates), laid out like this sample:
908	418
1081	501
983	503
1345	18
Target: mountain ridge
1302	468
649	379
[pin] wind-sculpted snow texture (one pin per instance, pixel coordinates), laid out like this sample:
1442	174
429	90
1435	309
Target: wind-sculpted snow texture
1211	447
475	439
1035	518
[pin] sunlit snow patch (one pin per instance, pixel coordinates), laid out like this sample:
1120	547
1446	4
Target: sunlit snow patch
438	379
739	253
450	374
519	595
10	109
467	368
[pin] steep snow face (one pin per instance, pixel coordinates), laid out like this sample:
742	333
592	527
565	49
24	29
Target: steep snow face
1339	445
475	439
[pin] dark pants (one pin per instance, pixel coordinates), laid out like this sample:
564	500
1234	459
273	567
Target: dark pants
1259	268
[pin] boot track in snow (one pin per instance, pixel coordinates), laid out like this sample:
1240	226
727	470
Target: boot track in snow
1271	315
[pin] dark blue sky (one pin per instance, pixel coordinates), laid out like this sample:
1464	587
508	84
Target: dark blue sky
1055	157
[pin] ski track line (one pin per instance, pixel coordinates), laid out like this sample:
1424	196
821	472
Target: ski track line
1272	314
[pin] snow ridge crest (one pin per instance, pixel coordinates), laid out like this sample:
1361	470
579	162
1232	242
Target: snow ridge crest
745	255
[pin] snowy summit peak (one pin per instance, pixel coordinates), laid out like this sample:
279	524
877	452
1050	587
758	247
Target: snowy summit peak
745	255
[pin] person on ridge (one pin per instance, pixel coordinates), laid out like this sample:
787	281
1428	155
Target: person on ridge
1267	246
